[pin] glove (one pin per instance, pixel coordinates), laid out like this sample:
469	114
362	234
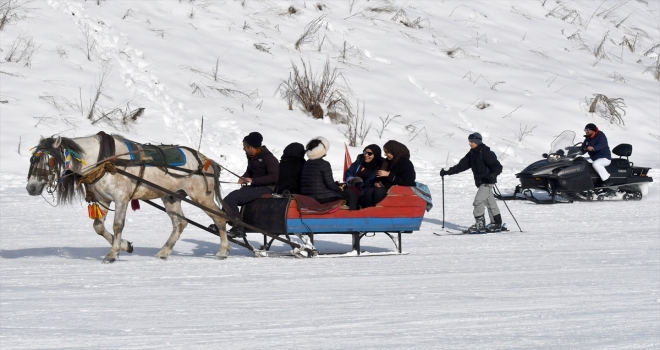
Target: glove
354	181
444	172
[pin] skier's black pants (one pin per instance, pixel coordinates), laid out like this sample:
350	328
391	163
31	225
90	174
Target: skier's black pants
242	196
373	195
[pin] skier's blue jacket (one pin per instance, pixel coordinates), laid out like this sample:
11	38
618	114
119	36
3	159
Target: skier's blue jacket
599	143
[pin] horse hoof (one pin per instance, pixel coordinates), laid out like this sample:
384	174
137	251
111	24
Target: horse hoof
129	247
108	260
161	257
220	257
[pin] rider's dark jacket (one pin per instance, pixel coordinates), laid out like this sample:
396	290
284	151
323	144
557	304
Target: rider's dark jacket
599	143
263	168
484	164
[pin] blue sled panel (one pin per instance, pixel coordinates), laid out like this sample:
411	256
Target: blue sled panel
353	225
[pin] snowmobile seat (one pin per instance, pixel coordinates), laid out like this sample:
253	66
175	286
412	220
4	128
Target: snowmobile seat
623	150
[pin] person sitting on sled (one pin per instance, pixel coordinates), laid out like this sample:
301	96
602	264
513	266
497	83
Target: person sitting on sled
397	169
259	178
316	178
362	173
595	143
485	168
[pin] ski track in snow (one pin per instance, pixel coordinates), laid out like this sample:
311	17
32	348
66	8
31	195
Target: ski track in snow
580	275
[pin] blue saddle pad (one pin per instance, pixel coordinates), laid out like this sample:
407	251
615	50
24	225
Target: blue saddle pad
154	155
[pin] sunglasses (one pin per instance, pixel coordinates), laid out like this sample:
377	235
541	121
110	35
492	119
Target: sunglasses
368	153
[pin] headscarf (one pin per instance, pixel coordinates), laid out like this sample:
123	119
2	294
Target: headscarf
397	150
378	158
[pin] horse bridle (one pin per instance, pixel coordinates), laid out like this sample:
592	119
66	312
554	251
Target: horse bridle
44	168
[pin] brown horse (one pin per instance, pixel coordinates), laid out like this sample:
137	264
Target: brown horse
58	165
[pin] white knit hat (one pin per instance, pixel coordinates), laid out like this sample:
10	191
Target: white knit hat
319	151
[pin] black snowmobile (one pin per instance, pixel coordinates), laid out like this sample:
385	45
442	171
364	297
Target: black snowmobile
567	176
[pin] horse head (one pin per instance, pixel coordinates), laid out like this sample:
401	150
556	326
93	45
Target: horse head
51	163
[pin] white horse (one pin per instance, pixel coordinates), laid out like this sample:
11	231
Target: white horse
50	160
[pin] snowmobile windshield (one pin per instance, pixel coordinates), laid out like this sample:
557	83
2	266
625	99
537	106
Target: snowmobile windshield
565	140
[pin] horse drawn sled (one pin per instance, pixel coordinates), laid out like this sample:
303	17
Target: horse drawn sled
105	169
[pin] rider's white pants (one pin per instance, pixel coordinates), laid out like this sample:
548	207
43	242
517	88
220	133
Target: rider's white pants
599	165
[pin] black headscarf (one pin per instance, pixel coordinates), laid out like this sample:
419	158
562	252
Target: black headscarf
397	150
378	158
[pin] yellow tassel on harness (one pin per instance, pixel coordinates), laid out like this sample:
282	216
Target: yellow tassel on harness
95	212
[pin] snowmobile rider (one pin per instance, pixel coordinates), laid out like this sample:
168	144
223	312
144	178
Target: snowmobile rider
485	168
259	178
595	143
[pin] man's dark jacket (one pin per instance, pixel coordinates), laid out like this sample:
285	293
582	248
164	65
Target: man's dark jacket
291	163
401	173
599	143
263	168
317	181
484	164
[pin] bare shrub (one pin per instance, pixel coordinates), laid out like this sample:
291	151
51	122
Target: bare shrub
262	47
21	50
292	10
12	10
310	31
654	69
384	123
88	42
104	75
599	51
524	132
356	125
313	92
401	17
610	109
120	119
483	105
618	78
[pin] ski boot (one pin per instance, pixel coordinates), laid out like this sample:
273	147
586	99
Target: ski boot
496	225
478	227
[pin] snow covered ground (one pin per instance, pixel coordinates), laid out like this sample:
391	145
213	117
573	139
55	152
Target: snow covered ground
581	275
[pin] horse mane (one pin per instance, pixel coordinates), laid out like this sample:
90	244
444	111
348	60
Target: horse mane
67	187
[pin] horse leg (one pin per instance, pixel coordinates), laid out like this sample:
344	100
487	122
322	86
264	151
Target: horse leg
220	222
179	222
99	227
118	226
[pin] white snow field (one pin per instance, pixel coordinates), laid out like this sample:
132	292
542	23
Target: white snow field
580	275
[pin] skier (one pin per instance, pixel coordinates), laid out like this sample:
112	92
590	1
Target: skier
485	168
595	143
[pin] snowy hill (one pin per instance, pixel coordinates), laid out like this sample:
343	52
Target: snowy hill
533	64
205	73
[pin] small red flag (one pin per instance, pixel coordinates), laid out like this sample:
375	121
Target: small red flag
347	161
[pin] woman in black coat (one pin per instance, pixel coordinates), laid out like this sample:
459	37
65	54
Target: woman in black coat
396	170
291	164
316	178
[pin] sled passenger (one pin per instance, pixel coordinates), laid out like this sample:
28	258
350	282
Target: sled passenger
291	163
259	178
316	178
595	143
397	169
485	168
362	173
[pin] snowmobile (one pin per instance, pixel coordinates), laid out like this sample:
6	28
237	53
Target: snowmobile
566	176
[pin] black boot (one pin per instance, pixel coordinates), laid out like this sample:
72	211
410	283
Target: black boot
236	232
496	225
607	183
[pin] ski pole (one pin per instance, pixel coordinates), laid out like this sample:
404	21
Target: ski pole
507	207
443	202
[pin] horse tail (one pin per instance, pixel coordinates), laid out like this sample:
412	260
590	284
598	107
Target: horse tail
216	181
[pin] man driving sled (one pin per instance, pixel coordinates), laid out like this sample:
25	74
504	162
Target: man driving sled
595	143
260	178
485	168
